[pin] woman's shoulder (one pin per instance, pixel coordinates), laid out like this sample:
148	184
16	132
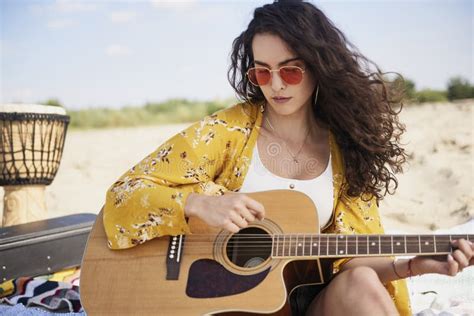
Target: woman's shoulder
242	113
226	124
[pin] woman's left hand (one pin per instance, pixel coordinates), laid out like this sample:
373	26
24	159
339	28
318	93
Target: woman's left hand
455	262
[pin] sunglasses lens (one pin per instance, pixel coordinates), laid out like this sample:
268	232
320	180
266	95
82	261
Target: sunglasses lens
291	75
259	76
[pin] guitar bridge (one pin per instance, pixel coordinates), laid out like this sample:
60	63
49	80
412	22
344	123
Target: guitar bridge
173	257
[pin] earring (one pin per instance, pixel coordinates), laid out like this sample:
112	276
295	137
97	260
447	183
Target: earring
316	96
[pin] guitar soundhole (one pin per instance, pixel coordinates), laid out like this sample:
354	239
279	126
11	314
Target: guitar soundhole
249	248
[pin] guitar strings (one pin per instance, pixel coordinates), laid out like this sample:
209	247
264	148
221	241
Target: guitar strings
326	245
335	236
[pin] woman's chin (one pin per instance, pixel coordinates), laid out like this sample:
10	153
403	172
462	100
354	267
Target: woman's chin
285	109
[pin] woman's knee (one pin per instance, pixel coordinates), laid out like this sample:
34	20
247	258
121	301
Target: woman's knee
362	276
357	291
363	282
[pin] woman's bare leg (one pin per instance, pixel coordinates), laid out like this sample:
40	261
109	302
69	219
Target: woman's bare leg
357	291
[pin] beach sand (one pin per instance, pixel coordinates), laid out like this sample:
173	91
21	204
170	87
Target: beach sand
435	191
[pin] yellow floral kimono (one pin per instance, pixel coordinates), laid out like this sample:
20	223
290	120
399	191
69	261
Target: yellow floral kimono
212	157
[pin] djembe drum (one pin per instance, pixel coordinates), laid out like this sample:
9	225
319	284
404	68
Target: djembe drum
31	145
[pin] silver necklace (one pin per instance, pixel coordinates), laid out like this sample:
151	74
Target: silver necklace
295	157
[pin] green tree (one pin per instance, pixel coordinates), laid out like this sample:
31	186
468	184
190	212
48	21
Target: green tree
459	88
403	88
429	95
53	102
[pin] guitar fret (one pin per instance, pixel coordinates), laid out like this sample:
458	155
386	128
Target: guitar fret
374	248
301	244
323	245
281	242
362	245
412	244
311	246
399	245
386	244
307	245
304	245
319	245
434	243
292	248
351	242
419	244
332	245
327	245
391	242
426	244
357	248
443	243
297	244
314	244
379	245
292	245
289	246
357	244
342	251
346	244
280	246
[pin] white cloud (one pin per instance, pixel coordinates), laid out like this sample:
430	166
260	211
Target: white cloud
60	24
122	16
63	6
117	50
38	8
173	4
75	5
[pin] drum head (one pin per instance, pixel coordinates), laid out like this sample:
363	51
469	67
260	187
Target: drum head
31	108
31	143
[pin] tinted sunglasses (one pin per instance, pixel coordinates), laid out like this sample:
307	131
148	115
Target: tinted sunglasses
260	76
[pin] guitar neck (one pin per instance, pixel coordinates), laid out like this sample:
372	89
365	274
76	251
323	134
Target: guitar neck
334	246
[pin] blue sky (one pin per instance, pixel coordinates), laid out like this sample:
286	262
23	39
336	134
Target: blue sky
117	53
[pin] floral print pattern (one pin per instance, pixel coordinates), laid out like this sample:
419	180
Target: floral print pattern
212	157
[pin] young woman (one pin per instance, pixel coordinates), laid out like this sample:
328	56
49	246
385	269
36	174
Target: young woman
312	119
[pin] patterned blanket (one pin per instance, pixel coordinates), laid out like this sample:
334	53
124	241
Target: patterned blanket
57	292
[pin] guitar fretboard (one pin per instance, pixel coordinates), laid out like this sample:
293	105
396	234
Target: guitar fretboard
328	245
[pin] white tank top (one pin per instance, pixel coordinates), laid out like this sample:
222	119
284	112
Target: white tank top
319	189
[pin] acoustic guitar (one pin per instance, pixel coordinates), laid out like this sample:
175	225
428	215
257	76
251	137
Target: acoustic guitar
212	271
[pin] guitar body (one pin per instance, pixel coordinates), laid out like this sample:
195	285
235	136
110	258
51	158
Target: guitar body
211	271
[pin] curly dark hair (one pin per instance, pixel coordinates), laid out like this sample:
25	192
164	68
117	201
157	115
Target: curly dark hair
356	105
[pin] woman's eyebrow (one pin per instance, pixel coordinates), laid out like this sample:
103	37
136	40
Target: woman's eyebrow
279	64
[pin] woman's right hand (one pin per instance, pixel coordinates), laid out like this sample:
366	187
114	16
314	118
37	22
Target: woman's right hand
231	211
